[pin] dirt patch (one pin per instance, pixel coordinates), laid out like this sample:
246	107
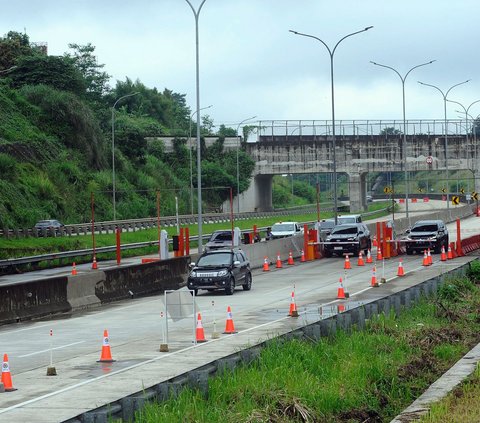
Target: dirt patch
364	416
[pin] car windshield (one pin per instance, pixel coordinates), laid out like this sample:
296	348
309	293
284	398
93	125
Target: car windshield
342	220
432	227
218	259
345	231
283	227
327	225
221	236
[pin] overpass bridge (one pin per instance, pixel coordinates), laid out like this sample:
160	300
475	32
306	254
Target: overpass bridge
302	147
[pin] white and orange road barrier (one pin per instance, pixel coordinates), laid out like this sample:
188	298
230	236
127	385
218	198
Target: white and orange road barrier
443	254
347	264
74	269
400	271
425	259
374	283
449	254
199	331
6	376
379	253
94	263
229	326
341	308
279	262
290	261
429	257
265	264
302	257
360	261
369	257
292	312
106	356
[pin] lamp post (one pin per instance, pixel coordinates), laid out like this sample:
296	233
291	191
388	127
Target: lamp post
196	14
238	167
190	150
331	52
444	95
403	78
113	151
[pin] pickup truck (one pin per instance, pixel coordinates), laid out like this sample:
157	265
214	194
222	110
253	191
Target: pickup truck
284	229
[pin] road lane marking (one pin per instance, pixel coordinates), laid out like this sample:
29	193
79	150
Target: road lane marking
56	348
9	332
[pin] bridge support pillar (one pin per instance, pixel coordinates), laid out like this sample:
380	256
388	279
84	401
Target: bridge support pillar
357	191
258	196
476	177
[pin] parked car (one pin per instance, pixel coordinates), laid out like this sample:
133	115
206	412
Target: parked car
219	239
426	234
49	227
349	218
347	238
284	229
326	227
220	269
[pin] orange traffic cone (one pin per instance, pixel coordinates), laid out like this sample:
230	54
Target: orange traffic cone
6	376
347	264
292	312
279	261
229	327
199	333
369	257
425	259
443	255
449	254
265	264
341	291
400	271
341	308
429	256
379	254
290	261
74	269
106	356
375	243
360	261
94	264
374	282
302	257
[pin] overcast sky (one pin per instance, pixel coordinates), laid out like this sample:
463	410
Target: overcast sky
250	64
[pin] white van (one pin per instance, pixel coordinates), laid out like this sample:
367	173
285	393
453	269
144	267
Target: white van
284	229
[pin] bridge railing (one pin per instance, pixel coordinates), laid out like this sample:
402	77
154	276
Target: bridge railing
322	128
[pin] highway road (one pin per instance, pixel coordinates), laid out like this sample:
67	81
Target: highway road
135	329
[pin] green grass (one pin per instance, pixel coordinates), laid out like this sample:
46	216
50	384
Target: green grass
362	376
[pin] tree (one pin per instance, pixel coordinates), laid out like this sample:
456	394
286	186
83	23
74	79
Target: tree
390	130
224	131
13	47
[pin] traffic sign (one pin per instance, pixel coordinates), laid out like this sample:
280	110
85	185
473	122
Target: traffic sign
387	190
429	159
475	195
462	191
419	189
455	200
444	190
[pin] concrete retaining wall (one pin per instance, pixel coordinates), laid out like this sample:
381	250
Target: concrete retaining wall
352	319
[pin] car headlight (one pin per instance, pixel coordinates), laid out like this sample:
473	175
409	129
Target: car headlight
193	274
351	239
222	273
433	237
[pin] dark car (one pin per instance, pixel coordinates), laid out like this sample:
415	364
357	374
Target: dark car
348	238
219	239
220	269
426	234
49	227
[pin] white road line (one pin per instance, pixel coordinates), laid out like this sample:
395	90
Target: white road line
56	348
9	332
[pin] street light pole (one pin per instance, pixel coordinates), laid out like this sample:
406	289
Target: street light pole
190	150
196	14
444	95
113	151
404	127
331	52
238	167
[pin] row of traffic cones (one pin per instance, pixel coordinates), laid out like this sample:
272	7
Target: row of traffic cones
278	264
360	261
94	266
200	331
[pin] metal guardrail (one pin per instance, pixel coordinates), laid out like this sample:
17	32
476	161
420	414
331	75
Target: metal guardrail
109	249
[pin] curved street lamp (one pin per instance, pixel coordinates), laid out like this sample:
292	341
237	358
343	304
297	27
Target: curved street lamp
444	95
190	150
238	168
331	52
113	151
196	14
403	78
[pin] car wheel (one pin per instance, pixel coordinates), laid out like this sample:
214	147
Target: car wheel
230	287
409	252
438	248
247	286
327	253
355	252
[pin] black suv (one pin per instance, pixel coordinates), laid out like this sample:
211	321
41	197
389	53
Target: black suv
425	234
220	269
348	238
